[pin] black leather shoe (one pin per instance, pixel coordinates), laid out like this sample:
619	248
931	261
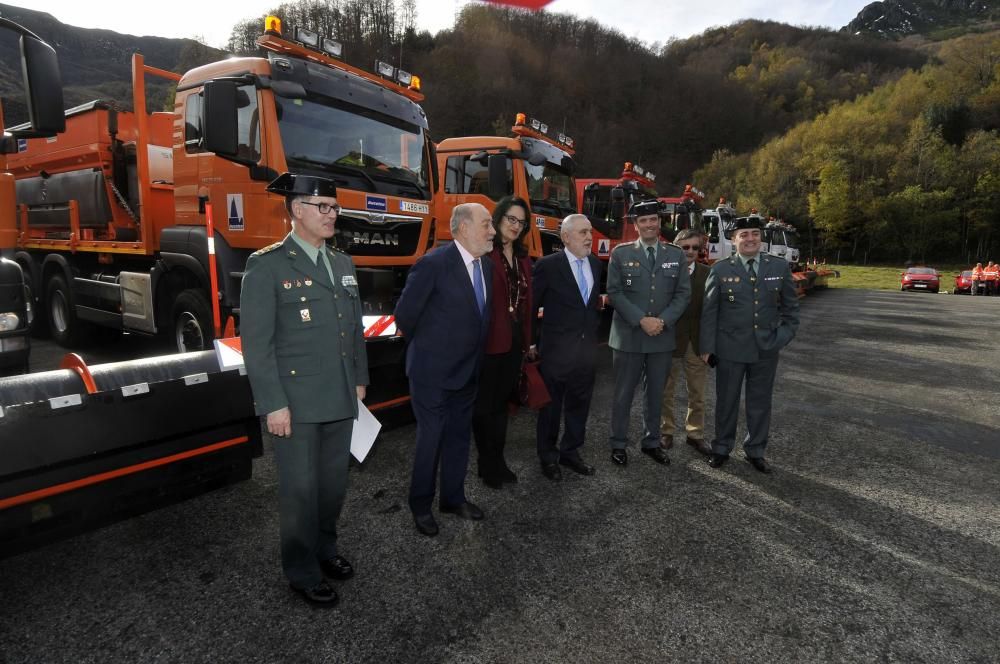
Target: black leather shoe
465	511
761	464
552	471
657	454
426	524
577	466
319	595
701	445
619	457
507	475
337	568
716	460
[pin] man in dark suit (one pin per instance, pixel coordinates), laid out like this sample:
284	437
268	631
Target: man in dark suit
566	285
304	350
687	359
751	312
444	314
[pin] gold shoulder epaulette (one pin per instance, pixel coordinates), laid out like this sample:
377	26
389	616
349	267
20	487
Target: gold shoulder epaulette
269	248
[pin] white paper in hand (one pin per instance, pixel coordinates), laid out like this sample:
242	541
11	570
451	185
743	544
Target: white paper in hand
366	429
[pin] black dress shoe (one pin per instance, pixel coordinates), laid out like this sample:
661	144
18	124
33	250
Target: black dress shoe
577	466
701	445
337	568
657	454
507	475
619	457
716	460
465	511
319	595
426	524
761	464
552	471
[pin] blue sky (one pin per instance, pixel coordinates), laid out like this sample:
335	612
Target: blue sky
647	20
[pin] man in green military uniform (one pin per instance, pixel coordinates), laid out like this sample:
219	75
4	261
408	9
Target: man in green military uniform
649	288
303	346
751	312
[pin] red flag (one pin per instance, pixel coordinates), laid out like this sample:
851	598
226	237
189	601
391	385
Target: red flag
527	4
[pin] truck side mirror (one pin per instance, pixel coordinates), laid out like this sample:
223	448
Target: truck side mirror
497	166
219	124
43	88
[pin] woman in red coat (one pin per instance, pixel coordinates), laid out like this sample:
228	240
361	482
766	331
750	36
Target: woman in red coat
508	339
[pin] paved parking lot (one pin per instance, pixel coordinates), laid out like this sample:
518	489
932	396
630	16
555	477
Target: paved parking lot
876	539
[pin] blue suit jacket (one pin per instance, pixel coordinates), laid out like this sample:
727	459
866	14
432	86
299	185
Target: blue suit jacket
438	314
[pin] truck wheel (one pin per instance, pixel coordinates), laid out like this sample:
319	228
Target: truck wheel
66	328
192	321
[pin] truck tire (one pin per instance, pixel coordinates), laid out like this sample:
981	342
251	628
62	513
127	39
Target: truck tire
192	322
67	329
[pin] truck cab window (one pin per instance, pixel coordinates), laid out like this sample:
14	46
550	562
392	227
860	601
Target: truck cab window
192	124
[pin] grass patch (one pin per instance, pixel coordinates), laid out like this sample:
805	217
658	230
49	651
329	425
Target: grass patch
877	277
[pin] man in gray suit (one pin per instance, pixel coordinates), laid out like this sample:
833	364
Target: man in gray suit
750	313
687	359
304	350
649	288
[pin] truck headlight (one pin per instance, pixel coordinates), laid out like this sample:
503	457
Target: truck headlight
9	321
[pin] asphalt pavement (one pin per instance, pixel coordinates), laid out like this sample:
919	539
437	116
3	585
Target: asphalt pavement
876	539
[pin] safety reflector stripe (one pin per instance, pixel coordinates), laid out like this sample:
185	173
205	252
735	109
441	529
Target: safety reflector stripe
118	472
379	326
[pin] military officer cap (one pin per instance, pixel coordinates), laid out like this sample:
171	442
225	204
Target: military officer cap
749	222
290	184
643	208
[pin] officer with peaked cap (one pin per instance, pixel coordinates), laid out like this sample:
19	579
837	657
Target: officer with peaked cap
649	288
751	312
303	346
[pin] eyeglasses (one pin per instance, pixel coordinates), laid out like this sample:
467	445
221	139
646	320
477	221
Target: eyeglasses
690	247
324	208
515	221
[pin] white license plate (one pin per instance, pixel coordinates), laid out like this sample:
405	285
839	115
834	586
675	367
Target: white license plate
920	285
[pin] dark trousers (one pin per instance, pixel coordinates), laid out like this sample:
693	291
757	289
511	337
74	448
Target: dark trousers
571	391
312	482
652	369
729	379
497	382
444	429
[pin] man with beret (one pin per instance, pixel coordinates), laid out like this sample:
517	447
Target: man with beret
649	288
751	312
303	347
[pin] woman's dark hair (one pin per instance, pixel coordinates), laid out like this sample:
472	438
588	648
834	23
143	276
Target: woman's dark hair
503	207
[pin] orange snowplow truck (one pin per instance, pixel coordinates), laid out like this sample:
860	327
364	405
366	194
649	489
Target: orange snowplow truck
530	164
116	216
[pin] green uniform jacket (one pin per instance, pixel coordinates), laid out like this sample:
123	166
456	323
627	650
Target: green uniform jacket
303	338
742	321
636	291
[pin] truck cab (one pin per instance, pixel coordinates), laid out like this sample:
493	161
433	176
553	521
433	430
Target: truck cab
682	212
530	163
718	223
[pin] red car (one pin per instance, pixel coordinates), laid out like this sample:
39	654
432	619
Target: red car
963	282
920	278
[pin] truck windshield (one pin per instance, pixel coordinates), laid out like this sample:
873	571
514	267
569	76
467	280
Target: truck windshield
368	150
551	186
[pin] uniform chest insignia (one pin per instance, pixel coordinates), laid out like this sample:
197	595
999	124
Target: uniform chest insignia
732	298
628	282
772	278
348	280
306	316
298	283
287	284
736	279
309	282
670	265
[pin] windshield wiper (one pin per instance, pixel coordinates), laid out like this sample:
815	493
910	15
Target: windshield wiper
402	181
342	168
